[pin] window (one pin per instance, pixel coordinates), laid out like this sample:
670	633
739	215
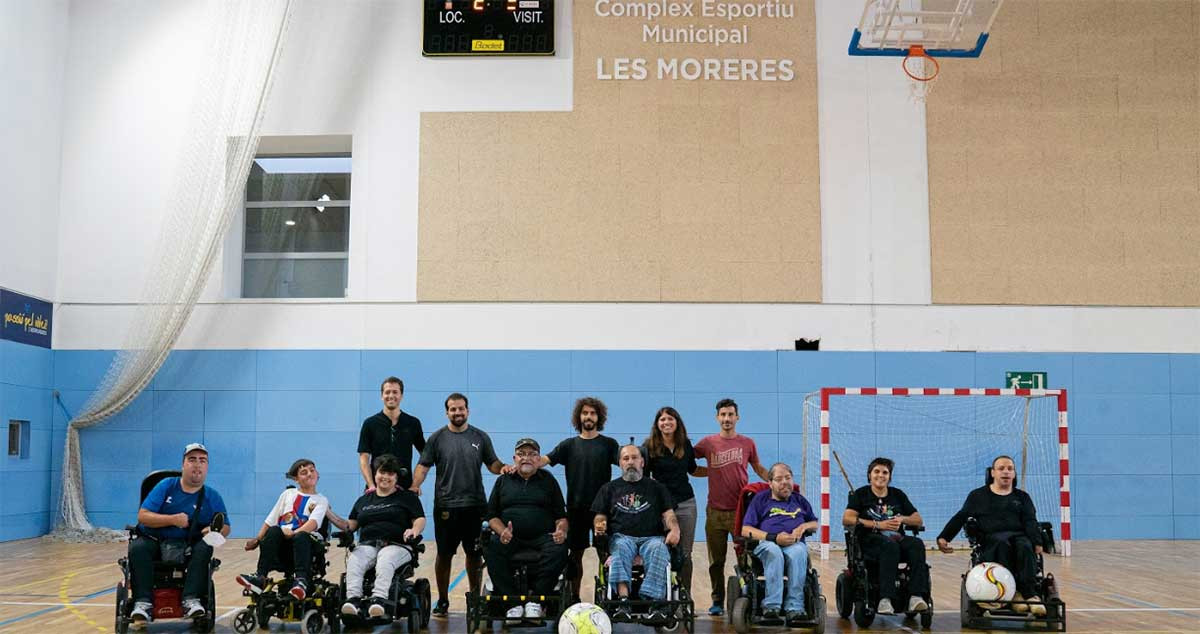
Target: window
18	438
297	228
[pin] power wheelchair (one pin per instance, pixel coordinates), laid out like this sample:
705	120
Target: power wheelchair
983	615
745	590
486	607
676	610
320	606
407	600
858	586
168	576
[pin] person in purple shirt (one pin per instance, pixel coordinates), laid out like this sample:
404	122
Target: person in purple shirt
778	517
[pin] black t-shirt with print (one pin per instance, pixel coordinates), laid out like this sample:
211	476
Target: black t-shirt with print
634	508
386	517
880	509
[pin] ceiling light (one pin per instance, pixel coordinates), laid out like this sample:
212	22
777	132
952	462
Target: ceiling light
323	197
290	223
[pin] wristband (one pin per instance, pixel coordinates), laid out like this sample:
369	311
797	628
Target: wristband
771	536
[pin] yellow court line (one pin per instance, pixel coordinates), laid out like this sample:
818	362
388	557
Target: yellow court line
66	603
6	589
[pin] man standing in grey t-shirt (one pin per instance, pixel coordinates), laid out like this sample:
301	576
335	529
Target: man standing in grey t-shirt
458	450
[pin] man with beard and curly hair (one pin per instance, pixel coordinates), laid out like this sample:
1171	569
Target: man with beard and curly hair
589	459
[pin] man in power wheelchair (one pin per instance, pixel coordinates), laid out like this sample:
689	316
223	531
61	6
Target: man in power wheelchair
524	546
632	514
389	522
885	568
293	539
167	572
774	584
1001	525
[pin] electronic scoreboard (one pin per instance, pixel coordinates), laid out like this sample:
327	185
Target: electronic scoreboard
488	27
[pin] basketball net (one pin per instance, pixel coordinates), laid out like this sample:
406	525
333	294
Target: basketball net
922	70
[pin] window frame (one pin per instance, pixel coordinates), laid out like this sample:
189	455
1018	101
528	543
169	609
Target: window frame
243	255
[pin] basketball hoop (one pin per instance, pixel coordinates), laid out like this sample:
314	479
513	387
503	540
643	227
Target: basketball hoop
922	69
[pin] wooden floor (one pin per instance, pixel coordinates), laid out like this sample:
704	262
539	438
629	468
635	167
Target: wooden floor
1144	587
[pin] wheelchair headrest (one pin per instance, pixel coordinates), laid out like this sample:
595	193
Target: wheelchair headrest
152	480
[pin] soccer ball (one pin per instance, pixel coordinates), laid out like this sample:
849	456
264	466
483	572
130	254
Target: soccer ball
584	618
990	582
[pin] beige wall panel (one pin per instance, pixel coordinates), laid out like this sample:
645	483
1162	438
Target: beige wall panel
700	281
777	282
1037	286
1133	286
457	280
1180	208
1181	286
651	190
1178	131
1090	192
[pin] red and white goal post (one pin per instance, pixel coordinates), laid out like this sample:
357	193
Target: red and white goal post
942	440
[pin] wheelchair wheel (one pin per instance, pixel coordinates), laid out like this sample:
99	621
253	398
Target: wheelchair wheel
740	615
244	621
819	616
121	625
421	589
927	618
844	596
414	621
863	615
312	623
733	590
964	604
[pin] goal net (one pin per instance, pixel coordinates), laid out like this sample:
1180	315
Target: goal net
942	441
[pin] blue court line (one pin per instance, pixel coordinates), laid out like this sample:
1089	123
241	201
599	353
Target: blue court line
452	583
57	607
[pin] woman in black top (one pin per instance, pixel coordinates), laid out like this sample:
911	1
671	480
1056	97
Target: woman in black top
878	513
669	460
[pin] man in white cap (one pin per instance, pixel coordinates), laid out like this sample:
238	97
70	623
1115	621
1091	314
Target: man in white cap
176	510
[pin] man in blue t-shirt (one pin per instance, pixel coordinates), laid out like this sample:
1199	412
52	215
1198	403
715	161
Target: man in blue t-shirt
778	518
170	514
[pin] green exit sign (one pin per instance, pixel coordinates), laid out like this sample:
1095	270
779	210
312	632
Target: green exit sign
1031	380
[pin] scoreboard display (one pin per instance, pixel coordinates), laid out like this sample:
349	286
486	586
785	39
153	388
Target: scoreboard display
488	27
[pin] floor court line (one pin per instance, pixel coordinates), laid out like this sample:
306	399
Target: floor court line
57	606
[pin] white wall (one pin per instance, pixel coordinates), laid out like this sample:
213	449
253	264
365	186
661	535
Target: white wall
33	55
355	68
874	172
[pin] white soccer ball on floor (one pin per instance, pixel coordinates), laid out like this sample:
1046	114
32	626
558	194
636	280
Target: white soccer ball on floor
584	618
990	582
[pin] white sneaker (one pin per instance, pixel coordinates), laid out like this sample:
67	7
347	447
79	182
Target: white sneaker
192	609
515	612
348	608
885	607
917	604
533	610
141	614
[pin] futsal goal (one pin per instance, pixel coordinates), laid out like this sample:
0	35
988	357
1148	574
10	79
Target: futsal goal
942	441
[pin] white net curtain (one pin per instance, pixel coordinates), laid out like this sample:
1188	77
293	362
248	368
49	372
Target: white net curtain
234	83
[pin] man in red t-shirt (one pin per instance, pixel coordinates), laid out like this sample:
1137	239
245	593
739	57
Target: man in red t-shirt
727	454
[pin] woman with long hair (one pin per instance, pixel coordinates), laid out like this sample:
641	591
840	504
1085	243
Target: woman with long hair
670	459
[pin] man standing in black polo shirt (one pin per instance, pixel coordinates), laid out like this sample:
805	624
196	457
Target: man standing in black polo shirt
527	512
390	431
589	459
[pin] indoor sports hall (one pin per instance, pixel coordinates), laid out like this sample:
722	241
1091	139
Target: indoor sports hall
936	231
